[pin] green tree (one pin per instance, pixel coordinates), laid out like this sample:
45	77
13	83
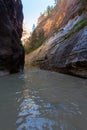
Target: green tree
33	27
48	9
55	2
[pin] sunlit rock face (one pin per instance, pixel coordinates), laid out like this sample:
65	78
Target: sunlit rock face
25	34
66	50
11	50
50	23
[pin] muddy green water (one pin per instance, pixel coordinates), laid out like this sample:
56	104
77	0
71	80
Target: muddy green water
43	100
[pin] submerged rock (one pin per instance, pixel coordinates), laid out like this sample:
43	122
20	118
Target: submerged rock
66	50
11	49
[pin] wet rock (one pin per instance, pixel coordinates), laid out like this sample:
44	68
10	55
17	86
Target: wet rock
66	51
11	49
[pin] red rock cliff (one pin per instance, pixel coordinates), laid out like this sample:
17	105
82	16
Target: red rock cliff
66	50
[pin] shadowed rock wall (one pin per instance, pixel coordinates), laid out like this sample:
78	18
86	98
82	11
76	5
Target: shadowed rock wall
11	50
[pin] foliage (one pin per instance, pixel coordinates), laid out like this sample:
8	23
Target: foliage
41	38
33	27
81	23
55	2
48	11
36	41
78	26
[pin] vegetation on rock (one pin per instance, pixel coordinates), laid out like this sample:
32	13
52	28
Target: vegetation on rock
77	27
35	41
66	47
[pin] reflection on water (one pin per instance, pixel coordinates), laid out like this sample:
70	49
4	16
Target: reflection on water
43	100
35	113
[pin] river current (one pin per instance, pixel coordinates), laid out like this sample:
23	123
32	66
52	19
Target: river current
43	100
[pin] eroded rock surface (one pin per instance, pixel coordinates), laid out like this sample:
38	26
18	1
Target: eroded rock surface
66	50
11	50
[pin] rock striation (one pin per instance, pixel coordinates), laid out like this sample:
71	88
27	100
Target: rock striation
66	50
11	49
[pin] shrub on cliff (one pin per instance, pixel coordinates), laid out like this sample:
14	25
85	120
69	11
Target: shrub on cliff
36	41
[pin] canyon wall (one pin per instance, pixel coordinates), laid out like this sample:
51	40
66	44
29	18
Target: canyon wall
66	49
11	49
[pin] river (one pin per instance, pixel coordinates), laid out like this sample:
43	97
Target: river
43	100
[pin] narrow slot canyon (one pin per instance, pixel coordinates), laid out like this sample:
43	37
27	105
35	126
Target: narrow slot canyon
43	65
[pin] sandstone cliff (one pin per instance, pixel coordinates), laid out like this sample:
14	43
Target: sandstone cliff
11	50
25	34
66	50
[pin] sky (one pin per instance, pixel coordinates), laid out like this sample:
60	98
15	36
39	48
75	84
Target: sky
32	10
